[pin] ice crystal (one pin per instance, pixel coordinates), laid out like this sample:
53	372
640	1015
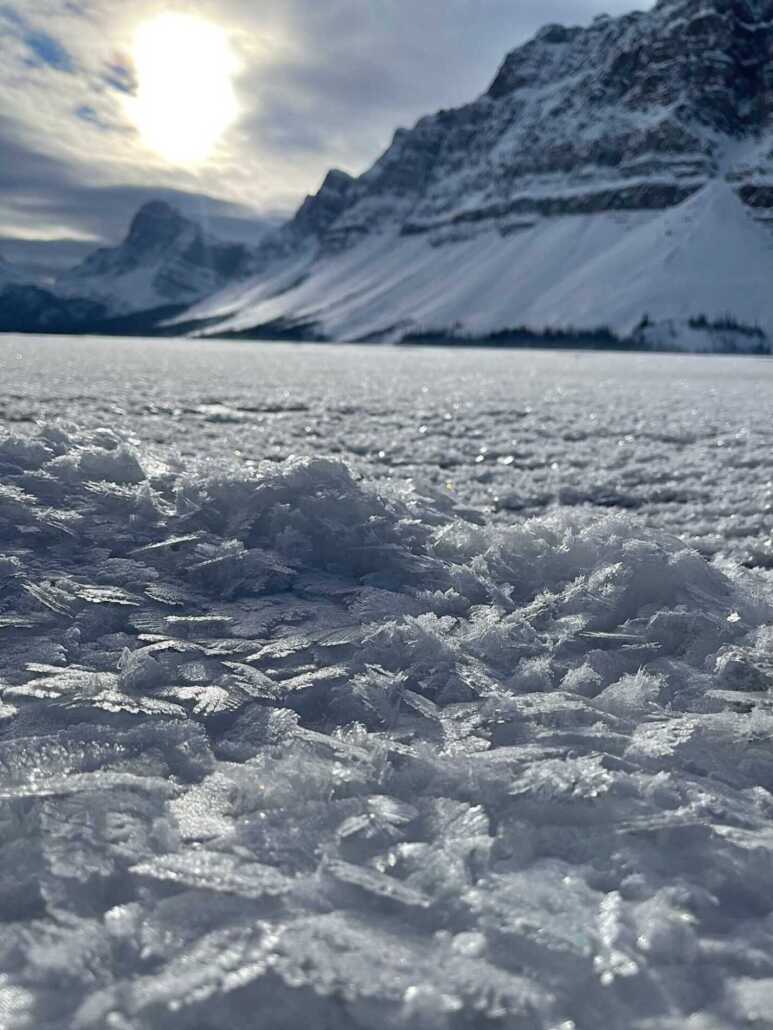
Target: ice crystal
279	746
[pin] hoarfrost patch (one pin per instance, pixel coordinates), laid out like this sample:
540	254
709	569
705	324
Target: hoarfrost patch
280	745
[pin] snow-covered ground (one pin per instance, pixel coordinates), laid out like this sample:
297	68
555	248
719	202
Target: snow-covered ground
440	723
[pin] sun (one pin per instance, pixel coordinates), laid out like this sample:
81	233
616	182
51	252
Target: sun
185	97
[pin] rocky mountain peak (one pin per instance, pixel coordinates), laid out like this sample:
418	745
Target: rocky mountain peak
710	57
165	259
156	225
336	181
320	210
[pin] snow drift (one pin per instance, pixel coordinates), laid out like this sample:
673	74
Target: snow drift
279	746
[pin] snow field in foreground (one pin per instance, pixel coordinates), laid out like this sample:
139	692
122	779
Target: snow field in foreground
279	746
684	442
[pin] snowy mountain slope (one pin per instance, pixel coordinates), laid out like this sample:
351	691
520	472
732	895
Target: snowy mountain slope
390	285
712	258
166	259
500	213
706	257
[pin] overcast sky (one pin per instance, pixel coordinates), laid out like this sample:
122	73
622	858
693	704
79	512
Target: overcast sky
322	83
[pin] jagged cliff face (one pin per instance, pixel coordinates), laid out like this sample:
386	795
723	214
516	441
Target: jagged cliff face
707	58
304	233
631	113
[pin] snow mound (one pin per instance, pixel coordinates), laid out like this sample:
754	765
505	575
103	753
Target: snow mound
279	746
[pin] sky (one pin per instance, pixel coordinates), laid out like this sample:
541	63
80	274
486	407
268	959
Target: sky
317	84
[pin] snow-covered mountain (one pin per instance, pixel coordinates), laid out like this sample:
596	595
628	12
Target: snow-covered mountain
618	175
166	260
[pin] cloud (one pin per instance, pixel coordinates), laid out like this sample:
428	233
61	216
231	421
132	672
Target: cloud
321	85
44	197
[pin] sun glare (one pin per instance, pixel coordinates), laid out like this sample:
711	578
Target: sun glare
185	95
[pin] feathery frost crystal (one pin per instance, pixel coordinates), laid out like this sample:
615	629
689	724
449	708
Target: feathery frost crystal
282	743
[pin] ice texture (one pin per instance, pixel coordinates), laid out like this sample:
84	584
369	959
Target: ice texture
294	743
684	443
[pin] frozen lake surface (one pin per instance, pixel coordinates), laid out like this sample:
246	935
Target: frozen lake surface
685	442
374	688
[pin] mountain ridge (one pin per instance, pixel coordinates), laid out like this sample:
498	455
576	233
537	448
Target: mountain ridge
585	135
560	200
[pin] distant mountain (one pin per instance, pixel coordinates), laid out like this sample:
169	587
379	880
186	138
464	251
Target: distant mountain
166	263
617	176
166	259
40	262
8	273
26	308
